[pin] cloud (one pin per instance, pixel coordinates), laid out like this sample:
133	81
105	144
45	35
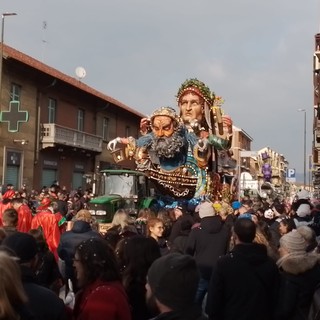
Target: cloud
257	55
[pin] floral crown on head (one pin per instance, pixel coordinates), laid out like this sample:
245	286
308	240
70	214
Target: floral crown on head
198	87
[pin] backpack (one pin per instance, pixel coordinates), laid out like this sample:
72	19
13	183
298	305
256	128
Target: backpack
314	311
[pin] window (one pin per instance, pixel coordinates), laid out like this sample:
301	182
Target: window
105	129
15	93
127	131
52	107
80	120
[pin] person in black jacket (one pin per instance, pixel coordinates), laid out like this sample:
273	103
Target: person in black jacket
300	274
206	244
46	270
42	302
135	256
171	287
244	283
80	231
13	297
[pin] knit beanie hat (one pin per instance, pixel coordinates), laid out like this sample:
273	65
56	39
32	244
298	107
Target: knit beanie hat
304	210
303	194
217	207
173	280
23	244
293	242
236	205
206	210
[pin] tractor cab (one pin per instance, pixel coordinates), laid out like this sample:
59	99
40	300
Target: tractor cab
121	189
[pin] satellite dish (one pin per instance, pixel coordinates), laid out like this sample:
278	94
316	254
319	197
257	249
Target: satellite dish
80	72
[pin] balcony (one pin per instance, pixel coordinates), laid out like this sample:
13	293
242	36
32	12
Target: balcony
275	172
52	134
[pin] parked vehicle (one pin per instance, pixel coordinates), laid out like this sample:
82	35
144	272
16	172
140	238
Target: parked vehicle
126	189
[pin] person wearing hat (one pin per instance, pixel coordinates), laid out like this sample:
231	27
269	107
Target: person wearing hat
172	282
244	282
236	205
46	220
206	243
5	203
179	216
302	208
300	274
42	302
10	193
80	231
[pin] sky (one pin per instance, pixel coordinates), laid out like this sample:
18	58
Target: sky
257	55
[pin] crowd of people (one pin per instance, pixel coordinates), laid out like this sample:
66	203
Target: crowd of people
249	259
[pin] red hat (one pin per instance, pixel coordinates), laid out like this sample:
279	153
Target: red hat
8	194
45	203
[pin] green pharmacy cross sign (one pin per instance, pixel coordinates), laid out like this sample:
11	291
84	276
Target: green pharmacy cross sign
14	116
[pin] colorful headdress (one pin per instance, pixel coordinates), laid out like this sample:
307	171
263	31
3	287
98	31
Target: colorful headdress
198	87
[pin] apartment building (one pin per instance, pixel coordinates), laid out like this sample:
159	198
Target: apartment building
54	127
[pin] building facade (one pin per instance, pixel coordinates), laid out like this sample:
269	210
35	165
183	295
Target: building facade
241	141
278	165
54	128
316	115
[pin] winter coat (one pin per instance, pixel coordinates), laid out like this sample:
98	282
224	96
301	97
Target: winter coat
207	243
42	302
300	275
69	240
243	285
102	300
180	243
47	271
136	292
177	226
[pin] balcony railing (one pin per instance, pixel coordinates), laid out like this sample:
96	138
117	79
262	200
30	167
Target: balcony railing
52	134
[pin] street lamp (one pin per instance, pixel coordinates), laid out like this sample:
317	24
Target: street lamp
5	14
304	147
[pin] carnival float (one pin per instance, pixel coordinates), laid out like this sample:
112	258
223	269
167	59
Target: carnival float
185	154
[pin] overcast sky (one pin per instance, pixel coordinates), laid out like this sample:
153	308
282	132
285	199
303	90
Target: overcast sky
256	54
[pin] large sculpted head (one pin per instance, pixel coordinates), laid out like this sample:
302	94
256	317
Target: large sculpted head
192	97
167	129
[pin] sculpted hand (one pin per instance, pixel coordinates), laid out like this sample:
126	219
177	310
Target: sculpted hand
112	144
203	145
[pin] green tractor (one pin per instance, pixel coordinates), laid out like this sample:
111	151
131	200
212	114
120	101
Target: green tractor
121	189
